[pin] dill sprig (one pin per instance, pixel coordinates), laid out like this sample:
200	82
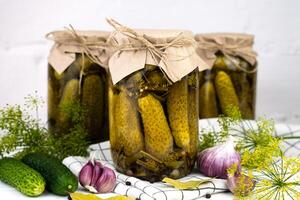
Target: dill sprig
24	133
257	144
211	138
280	180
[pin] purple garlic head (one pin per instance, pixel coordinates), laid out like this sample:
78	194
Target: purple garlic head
215	161
96	178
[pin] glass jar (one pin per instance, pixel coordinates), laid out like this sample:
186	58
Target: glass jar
154	124
77	83
81	86
231	80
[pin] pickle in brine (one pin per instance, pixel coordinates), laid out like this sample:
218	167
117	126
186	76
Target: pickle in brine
226	92
113	138
158	137
244	94
93	104
53	100
82	62
220	63
69	96
127	125
193	112
73	71
156	77
207	101
134	81
177	106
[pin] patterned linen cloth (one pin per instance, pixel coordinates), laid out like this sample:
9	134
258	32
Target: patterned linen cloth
145	190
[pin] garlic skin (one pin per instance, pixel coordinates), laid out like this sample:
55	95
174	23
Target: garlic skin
240	185
96	178
215	161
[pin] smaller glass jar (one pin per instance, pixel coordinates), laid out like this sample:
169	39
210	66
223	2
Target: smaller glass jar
77	83
231	81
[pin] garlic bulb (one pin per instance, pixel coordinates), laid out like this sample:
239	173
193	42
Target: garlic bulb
215	161
96	178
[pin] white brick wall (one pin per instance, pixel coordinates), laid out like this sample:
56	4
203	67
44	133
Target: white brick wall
276	24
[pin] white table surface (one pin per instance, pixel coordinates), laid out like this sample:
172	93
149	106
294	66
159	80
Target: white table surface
9	193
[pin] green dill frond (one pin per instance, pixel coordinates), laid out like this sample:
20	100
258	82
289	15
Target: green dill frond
211	138
24	134
280	180
257	145
207	140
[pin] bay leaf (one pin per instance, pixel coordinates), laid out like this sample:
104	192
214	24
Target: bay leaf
192	184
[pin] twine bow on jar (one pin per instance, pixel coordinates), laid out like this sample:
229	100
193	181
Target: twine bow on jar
88	47
144	43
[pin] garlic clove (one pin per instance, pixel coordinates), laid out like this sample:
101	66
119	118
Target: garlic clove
215	161
85	174
107	181
240	185
97	171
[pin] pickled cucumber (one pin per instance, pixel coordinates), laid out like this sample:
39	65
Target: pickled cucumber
93	103
207	101
156	77
177	106
113	138
52	102
193	113
58	76
220	63
244	94
128	128
74	70
81	62
134	81
69	96
158	137
226	92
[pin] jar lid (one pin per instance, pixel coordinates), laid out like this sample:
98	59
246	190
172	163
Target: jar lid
230	44
174	51
69	42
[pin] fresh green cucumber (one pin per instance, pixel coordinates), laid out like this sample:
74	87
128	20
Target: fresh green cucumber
22	177
59	179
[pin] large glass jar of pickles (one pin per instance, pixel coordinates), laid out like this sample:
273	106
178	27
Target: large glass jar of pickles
153	107
75	81
231	81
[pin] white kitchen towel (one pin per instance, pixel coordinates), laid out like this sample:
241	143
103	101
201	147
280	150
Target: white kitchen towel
141	189
145	190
